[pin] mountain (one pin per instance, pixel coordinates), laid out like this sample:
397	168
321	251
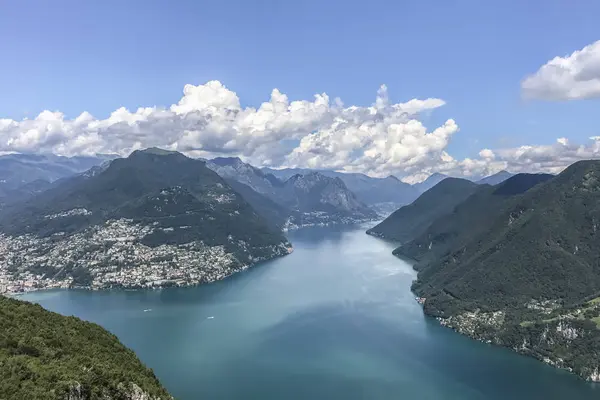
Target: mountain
315	192
495	179
274	213
412	220
430	182
165	218
284	174
467	219
234	168
18	169
10	195
49	356
382	194
530	279
310	199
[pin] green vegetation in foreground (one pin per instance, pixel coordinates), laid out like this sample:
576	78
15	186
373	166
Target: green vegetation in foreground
47	356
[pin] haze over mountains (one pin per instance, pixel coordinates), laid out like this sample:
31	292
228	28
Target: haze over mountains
310	198
515	264
371	191
22	175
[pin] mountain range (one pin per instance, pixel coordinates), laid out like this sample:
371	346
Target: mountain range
23	175
496	178
158	214
414	218
19	169
312	198
507	259
371	191
467	219
168	219
515	264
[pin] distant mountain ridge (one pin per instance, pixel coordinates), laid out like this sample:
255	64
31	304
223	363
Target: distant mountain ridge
410	220
23	175
317	196
430	182
310	199
18	169
383	194
496	178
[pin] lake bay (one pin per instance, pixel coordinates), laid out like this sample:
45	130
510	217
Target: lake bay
335	319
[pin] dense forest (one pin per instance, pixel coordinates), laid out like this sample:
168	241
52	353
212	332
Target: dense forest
541	245
46	356
467	220
517	264
409	221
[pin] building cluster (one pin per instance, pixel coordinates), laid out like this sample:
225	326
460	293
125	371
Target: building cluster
110	255
320	218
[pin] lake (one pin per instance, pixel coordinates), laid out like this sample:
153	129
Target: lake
333	320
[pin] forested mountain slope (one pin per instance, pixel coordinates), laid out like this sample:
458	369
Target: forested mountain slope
411	220
531	279
468	220
46	356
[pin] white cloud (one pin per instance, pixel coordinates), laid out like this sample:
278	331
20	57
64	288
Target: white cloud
576	76
381	139
209	120
539	158
384	145
487	154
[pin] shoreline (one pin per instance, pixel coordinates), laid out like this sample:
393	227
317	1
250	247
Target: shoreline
149	287
592	377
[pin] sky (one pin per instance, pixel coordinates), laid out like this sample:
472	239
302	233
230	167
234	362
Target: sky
409	88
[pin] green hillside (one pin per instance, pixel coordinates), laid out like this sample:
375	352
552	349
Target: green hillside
46	356
468	220
527	274
412	220
542	245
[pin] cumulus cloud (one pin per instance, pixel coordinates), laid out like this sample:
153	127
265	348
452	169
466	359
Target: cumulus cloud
209	120
576	76
532	158
380	139
487	154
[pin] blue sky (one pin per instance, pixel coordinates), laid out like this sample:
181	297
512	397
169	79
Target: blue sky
98	56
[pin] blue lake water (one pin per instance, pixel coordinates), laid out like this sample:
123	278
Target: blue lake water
333	320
